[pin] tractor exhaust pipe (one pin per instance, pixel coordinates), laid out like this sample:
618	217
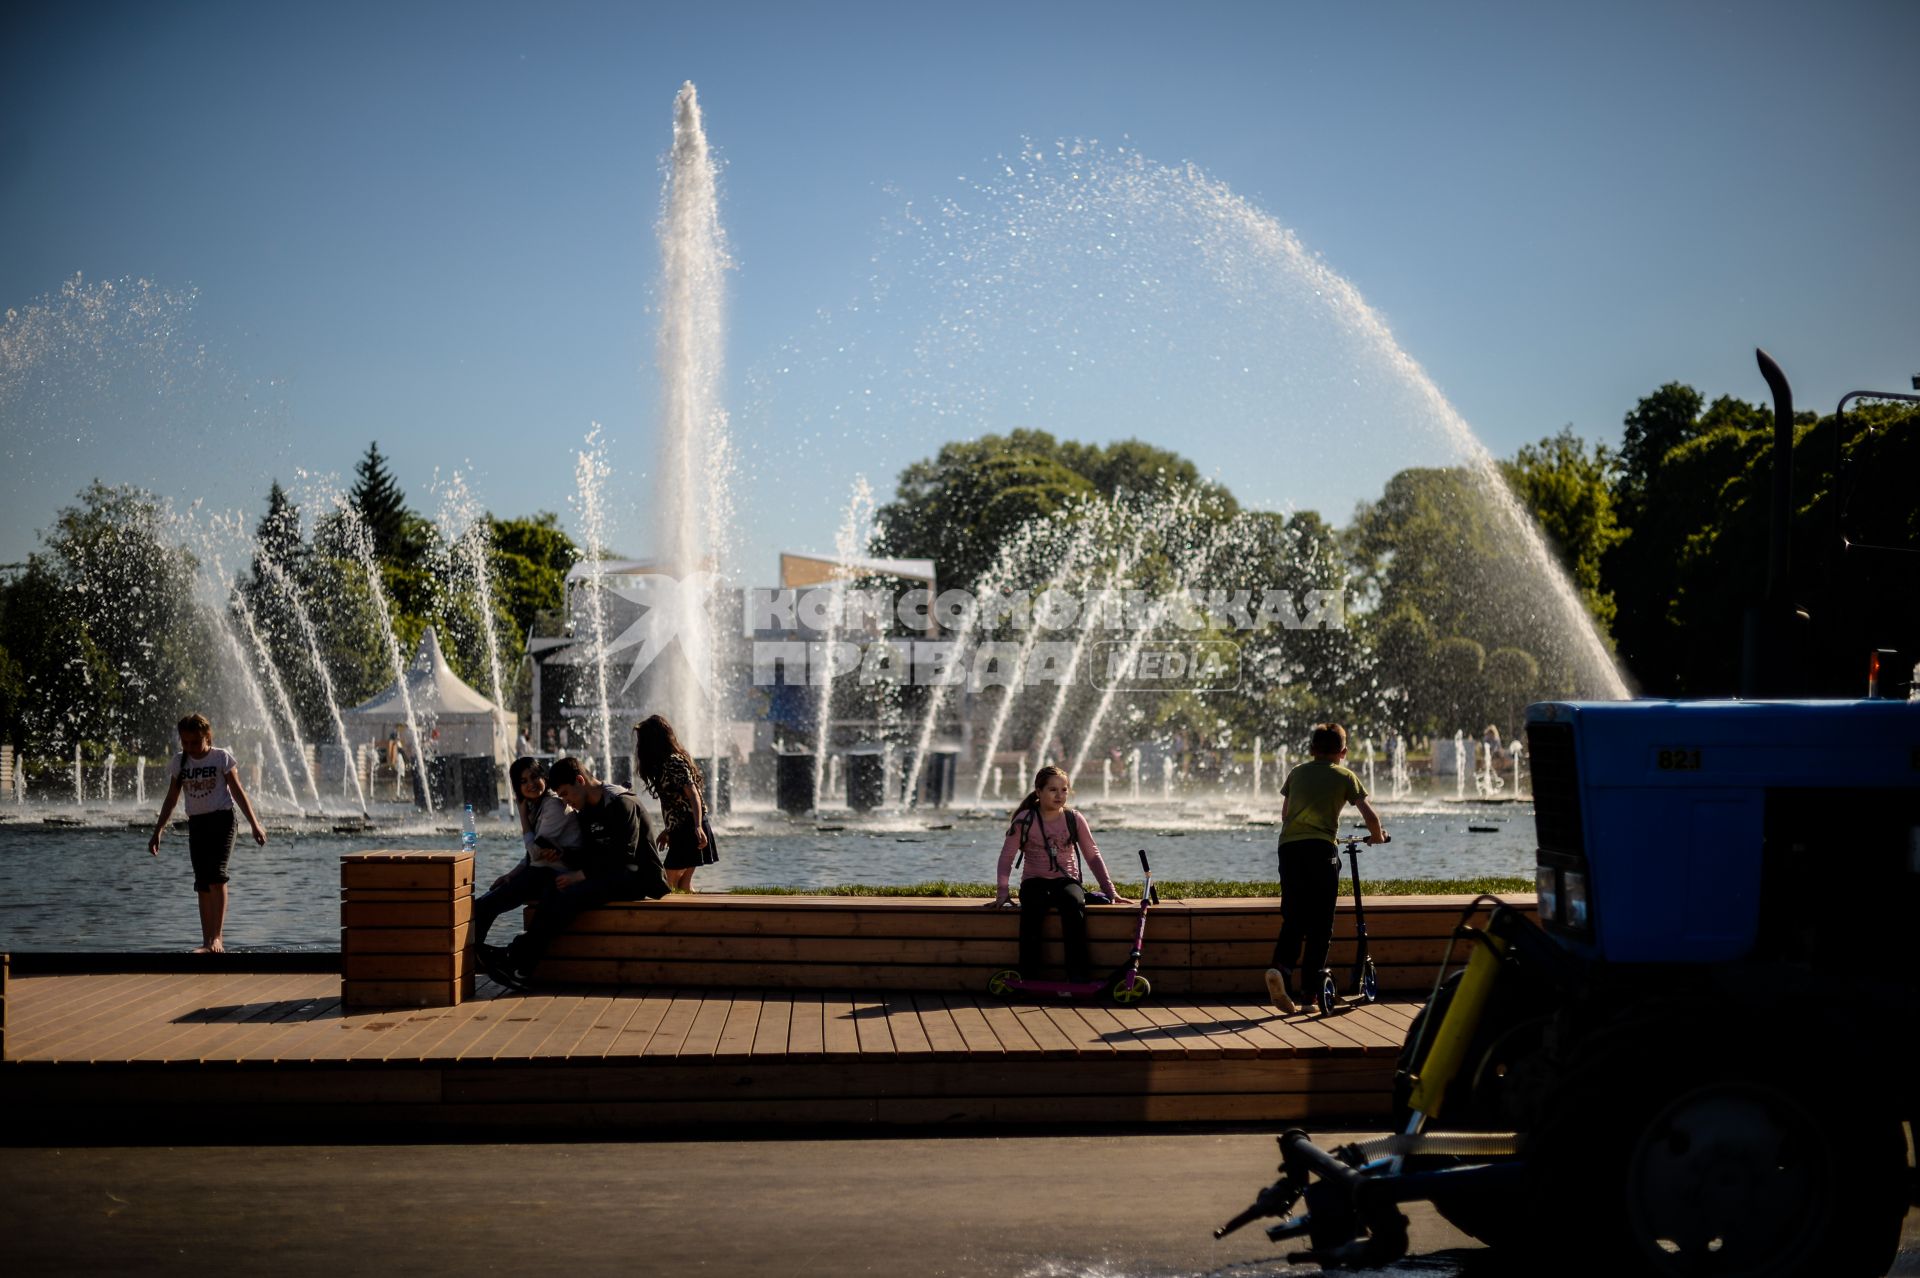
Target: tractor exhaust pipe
1766	668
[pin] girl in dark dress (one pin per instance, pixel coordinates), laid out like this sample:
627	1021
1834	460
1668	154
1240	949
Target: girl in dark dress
672	777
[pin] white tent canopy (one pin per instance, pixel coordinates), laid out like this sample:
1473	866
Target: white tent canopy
467	723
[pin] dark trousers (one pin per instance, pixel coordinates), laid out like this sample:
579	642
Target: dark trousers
523	885
1309	882
1037	896
559	907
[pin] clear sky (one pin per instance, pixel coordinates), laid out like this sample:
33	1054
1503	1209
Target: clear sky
431	224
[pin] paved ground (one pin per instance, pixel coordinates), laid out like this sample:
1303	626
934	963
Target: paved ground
1032	1207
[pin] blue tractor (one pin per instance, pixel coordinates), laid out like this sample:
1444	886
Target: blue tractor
1701	1059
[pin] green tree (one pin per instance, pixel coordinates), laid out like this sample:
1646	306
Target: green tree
531	557
103	626
382	507
960	506
1657	425
1569	492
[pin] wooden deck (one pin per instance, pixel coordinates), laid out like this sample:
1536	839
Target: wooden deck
119	1053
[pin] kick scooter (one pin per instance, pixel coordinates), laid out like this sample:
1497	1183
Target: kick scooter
1365	984
1125	986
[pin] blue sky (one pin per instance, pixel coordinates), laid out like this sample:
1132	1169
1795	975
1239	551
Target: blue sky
431	225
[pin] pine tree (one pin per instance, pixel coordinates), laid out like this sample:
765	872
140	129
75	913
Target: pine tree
277	536
381	504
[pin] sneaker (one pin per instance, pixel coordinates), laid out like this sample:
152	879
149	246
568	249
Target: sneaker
494	962
1277	991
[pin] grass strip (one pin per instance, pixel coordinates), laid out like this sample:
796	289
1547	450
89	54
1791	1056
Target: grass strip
1175	889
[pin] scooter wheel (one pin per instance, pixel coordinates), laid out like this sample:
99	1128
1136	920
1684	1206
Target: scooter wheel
1001	983
1129	990
1329	996
1369	983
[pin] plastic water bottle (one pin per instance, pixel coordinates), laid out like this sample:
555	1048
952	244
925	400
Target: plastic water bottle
469	839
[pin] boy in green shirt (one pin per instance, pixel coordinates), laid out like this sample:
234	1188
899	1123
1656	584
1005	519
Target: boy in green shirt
1312	797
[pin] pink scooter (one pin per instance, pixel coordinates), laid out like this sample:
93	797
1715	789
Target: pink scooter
1125	986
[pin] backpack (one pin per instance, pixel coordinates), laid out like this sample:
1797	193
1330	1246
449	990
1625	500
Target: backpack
1074	822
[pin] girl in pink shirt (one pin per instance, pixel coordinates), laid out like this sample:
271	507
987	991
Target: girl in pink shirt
1050	840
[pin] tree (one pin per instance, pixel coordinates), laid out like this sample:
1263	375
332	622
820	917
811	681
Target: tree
1569	492
382	508
960	506
957	508
1657	425
103	625
531	557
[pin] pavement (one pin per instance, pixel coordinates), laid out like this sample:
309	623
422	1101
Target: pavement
1040	1206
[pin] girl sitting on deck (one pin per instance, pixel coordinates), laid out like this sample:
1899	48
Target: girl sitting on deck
549	829
1050	839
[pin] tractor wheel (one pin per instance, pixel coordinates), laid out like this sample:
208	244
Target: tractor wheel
1716	1161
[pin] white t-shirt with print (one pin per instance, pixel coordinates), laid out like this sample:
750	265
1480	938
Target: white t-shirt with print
203	781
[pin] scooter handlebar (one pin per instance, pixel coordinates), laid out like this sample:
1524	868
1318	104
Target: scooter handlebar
1143	861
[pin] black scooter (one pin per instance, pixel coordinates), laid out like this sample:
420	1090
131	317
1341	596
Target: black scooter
1365	984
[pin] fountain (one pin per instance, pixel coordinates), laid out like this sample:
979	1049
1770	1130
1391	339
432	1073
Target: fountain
466	531
1516	751
590	474
1459	764
690	493
1106	779
360	545
1077	550
304	621
1402	779
1166	777
79	793
1256	767
850	542
1372	785
239	605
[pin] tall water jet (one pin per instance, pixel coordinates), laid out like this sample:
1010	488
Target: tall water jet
1011	558
360	541
1176	509
590	473
304	620
1078	548
252	687
849	542
240	609
469	533
690	492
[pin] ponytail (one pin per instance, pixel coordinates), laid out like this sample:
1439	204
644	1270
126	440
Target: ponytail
1032	802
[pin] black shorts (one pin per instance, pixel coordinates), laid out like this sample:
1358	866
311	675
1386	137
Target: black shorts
209	844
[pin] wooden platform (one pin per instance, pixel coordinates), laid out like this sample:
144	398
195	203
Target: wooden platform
1201	948
116	1054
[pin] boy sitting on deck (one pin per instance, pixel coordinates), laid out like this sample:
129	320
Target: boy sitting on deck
616	861
1312	797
